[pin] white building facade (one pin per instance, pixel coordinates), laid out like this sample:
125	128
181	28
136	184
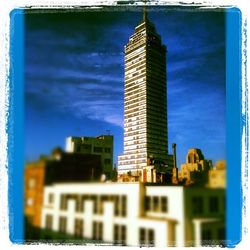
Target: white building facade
134	214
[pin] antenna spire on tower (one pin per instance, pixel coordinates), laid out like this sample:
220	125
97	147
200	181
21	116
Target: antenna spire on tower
145	12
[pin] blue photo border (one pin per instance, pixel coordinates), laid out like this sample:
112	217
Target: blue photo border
15	127
233	126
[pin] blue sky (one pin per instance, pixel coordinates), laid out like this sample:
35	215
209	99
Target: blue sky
74	71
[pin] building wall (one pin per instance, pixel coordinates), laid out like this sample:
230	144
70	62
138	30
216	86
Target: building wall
101	145
217	178
195	169
175	208
33	191
73	167
136	221
169	213
201	212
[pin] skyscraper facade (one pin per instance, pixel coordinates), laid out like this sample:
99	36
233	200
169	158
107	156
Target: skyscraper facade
145	100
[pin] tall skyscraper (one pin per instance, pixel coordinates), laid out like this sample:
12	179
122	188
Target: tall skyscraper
145	101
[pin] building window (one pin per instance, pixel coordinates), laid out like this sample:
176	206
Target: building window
32	183
164	204
116	199
116	234
151	237
107	161
142	235
120	234
62	224
79	228
103	198
48	222
97	230
156	204
221	234
78	148
148	203
29	202
107	150
124	205
214	204
197	205
30	219
206	237
146	237
93	198
63	202
86	148
79	205
97	149
51	198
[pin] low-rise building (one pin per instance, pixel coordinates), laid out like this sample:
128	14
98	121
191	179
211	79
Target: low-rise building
58	167
196	168
101	145
33	191
217	175
136	214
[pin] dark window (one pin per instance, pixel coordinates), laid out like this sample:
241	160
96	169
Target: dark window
107	161
124	206
30	219
116	198
146	237
107	150
151	237
123	235
78	204
147	203
79	227
206	237
86	148
63	202
156	203
97	230
142	235
48	222
197	205
116	234
164	204
221	234
195	159
94	199
103	198
62	224
98	149
78	148
213	204
94	233
120	234
100	230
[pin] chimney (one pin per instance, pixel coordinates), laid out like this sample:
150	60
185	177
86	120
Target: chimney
175	169
174	154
